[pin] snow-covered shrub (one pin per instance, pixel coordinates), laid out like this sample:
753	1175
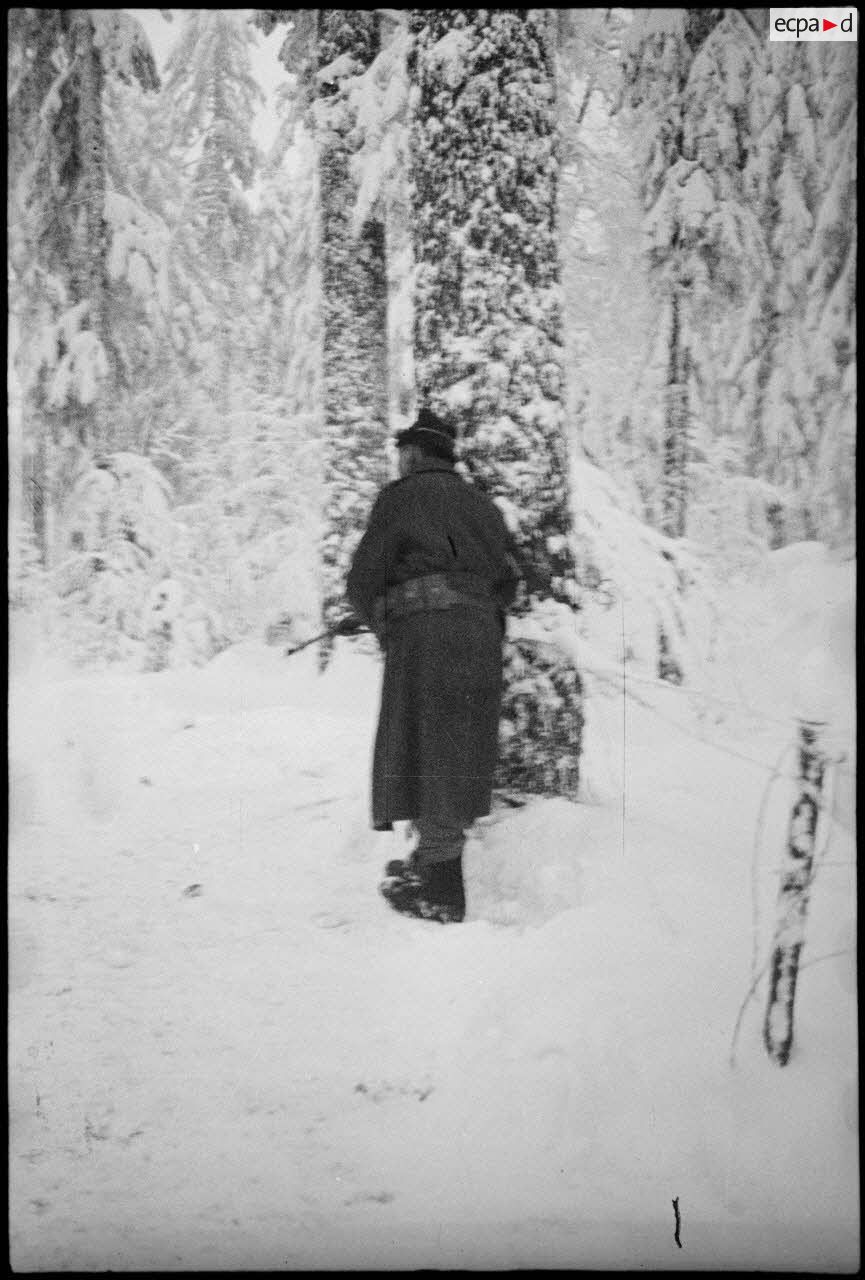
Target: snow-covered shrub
162	612
731	513
540	732
248	540
117	538
637	613
26	576
180	629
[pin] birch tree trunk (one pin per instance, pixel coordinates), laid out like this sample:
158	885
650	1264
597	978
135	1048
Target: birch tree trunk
793	898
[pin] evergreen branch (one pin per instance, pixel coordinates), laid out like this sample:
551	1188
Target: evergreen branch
743	15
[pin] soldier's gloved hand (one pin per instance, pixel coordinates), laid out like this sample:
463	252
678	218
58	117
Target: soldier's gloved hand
348	626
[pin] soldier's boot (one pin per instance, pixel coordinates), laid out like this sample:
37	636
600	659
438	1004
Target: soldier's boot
432	892
401	866
404	866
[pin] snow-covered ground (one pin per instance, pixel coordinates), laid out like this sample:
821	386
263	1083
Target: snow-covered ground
226	1052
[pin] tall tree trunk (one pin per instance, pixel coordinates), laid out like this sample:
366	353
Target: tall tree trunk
488	342
354	302
676	421
89	238
76	247
42	472
16	435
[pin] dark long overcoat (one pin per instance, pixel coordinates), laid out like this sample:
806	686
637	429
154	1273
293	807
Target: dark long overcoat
437	738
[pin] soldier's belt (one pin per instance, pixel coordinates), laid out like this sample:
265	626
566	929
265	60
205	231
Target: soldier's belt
432	591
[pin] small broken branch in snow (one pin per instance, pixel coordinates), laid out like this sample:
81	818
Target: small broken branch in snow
752	989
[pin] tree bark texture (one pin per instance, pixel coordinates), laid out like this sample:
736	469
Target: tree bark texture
85	159
676	416
488	340
354	302
71	243
793	897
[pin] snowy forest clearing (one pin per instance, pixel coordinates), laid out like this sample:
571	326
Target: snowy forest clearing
226	1052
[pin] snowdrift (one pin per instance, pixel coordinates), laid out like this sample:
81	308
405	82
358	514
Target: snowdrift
226	1052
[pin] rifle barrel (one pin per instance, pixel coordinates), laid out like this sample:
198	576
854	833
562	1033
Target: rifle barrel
306	643
324	635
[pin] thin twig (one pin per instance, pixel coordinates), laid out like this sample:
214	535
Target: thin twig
748	996
676	724
850	862
831	955
754	712
755	854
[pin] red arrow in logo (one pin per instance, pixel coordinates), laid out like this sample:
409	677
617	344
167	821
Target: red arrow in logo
829	26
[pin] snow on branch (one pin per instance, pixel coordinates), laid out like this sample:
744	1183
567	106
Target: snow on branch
397	16
342	67
80	372
449	54
139	248
378	100
124	47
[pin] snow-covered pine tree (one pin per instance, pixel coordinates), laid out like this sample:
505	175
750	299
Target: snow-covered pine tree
608	312
60	238
213	96
803	172
162	318
354	308
679	201
328	50
286	271
381	168
488	342
248	538
781	165
23	553
148	276
285	275
831	311
119	540
723	231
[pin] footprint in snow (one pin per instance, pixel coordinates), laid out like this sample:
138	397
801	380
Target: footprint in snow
371	1197
378	1092
331	920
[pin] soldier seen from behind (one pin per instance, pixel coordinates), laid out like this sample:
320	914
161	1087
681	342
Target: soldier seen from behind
433	577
